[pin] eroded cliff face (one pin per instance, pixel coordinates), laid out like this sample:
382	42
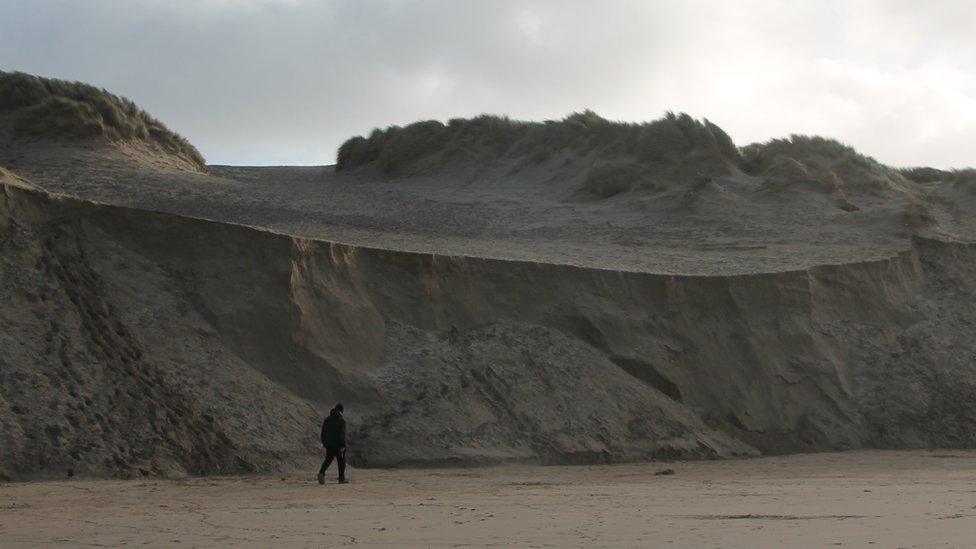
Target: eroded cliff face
108	368
139	342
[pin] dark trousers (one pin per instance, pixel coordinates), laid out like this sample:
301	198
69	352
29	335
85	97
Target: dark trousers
339	456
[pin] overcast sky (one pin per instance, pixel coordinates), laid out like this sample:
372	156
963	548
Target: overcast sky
286	81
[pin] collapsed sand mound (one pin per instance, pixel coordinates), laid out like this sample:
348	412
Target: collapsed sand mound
522	391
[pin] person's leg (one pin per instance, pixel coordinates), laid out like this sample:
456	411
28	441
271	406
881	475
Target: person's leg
341	458
329	454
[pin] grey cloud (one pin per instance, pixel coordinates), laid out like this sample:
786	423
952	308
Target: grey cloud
286	81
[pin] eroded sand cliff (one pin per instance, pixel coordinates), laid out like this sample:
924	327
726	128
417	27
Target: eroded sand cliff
482	291
141	341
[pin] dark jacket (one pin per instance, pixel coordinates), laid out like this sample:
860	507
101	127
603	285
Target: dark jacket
334	430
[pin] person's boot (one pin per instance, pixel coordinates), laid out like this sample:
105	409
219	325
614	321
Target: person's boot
343	481
321	478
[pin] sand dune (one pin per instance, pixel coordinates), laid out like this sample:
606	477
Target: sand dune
484	360
578	291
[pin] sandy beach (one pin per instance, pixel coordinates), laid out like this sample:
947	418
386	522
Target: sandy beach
887	499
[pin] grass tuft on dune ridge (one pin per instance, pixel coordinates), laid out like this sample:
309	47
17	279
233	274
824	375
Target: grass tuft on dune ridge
51	108
624	156
932	175
423	145
621	157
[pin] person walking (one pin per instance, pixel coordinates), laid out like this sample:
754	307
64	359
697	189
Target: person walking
334	441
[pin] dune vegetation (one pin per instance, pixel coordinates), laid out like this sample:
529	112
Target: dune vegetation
621	157
625	156
401	150
50	108
931	175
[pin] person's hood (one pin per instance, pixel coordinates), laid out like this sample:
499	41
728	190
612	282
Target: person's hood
334	413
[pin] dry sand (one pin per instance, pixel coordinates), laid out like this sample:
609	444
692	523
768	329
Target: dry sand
887	499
